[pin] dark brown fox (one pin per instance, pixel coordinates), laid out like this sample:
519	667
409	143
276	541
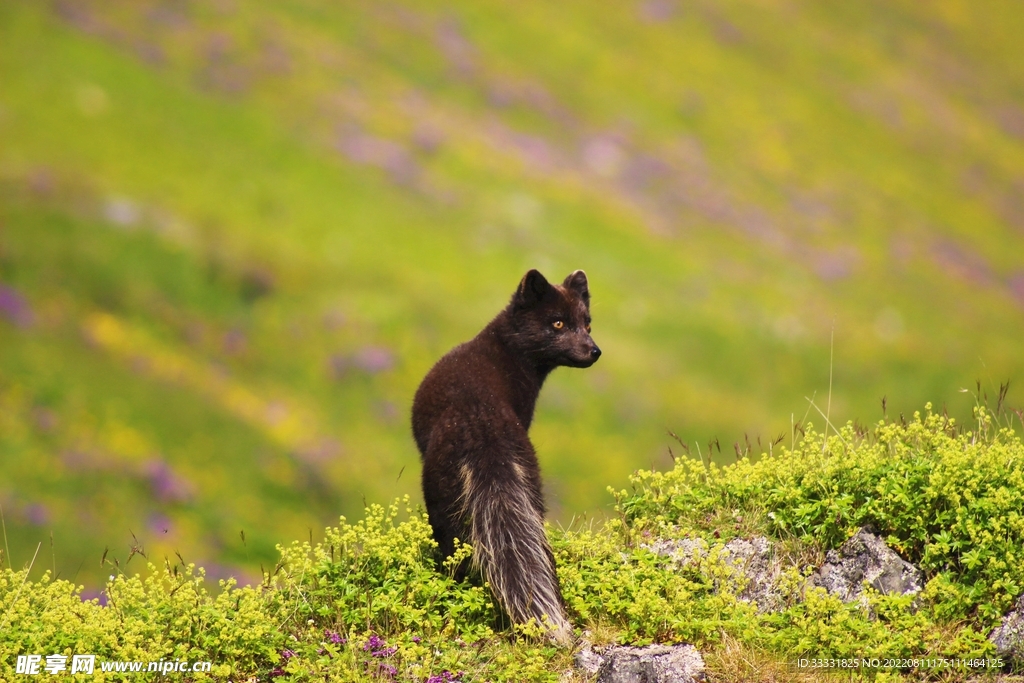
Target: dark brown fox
481	479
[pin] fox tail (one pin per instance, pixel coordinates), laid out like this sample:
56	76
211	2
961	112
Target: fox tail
512	552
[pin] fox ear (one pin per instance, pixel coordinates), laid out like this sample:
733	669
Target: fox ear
577	282
532	289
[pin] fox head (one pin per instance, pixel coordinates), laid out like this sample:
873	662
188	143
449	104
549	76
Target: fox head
551	323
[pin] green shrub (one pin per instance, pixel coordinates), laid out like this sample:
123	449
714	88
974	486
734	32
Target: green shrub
949	501
369	603
167	616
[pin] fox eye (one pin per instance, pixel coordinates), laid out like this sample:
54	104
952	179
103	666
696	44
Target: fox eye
558	324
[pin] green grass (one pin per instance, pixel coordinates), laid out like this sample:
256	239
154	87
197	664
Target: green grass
875	144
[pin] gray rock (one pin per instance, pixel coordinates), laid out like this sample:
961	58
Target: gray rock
755	560
680	551
650	664
1009	637
865	558
588	661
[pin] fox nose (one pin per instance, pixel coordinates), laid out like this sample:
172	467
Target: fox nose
595	353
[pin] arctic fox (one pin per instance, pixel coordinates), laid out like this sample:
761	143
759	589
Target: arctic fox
470	416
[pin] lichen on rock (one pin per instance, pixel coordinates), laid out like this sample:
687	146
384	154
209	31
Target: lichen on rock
865	558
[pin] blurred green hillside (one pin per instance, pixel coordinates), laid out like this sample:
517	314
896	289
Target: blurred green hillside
234	237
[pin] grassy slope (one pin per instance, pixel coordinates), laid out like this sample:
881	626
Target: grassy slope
734	179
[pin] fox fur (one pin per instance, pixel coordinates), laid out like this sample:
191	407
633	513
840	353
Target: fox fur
470	417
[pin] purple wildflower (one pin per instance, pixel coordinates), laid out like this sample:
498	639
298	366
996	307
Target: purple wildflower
277	671
287	654
416	639
374	643
37	514
333	637
374	359
99	596
165	484
386	670
14	307
445	677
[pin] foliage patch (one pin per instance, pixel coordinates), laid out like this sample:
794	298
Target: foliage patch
370	603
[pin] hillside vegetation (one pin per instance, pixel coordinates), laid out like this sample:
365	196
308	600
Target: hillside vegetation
367	603
234	236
